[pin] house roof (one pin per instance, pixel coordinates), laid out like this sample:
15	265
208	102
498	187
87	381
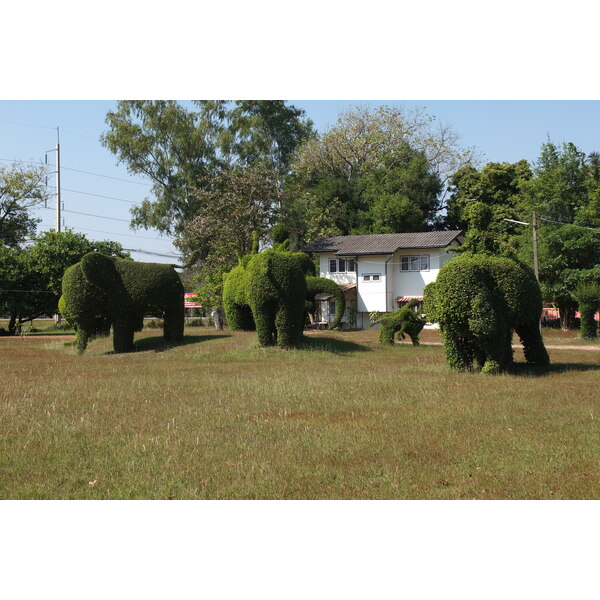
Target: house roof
382	243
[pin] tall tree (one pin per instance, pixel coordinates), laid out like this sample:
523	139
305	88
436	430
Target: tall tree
559	188
238	205
181	150
383	169
21	188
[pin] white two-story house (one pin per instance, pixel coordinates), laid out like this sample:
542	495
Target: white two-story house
382	272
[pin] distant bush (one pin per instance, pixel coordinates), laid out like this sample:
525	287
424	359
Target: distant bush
199	322
154	324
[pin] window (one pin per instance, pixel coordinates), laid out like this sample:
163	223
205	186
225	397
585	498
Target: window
366	278
331	309
341	265
414	263
371	276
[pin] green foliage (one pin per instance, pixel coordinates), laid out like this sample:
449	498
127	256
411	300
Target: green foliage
402	322
319	285
272	285
235	300
587	293
101	288
180	150
21	188
276	293
35	272
478	300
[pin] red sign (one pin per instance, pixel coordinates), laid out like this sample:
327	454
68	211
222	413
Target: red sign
188	301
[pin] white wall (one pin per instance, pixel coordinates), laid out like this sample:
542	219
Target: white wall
407	283
337	277
371	295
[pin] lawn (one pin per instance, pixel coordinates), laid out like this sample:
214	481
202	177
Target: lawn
343	418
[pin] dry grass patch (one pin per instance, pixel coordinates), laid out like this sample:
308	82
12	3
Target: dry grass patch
344	417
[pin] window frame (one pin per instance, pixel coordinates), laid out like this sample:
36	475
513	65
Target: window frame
410	259
371	277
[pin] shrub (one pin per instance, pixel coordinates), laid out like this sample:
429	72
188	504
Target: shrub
100	290
478	300
402	322
320	285
276	289
588	296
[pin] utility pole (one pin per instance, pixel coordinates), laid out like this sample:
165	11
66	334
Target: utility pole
536	269
58	207
57	174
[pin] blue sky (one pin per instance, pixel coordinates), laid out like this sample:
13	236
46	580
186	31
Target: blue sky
501	130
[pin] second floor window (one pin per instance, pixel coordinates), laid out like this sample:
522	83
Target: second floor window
418	262
341	265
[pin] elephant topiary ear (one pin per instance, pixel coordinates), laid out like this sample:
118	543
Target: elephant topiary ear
100	270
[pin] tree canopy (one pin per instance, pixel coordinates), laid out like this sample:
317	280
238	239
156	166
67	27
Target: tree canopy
21	188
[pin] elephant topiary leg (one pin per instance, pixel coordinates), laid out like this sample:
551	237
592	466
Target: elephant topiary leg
264	317
459	351
123	331
81	340
173	323
533	345
289	327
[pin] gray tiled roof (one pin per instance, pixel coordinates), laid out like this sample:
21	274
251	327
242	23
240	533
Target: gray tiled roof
382	243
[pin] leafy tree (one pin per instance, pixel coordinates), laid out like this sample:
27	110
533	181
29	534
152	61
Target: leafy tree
31	278
237	203
21	188
363	136
559	188
181	150
381	169
497	185
567	256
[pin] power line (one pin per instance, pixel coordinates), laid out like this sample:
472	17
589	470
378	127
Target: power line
98	195
31	162
108	176
569	224
172	255
139	237
97	216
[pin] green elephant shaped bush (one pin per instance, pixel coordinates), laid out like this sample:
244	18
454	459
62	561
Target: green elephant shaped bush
101	291
479	300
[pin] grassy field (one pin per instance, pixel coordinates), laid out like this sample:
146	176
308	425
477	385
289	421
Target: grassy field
219	417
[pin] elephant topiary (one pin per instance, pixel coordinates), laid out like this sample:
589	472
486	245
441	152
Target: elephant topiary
266	292
478	301
101	289
402	322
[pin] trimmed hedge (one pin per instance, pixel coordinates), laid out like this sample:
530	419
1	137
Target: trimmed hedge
235	300
266	292
321	285
122	292
478	301
276	288
402	322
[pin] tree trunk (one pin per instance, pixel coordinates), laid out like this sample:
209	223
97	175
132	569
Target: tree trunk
567	316
12	324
